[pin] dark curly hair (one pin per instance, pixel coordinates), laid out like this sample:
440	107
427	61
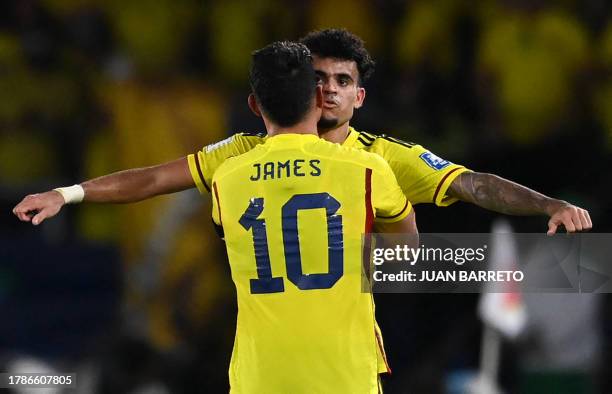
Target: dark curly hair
283	81
341	44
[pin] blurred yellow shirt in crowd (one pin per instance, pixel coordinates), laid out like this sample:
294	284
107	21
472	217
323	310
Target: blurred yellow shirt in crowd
533	58
150	125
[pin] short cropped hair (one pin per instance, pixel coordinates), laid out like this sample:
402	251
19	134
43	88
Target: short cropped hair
341	44
283	81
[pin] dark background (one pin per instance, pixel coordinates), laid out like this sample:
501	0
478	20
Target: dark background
140	295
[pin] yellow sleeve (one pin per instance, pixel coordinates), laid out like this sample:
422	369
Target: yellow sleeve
388	201
422	176
205	162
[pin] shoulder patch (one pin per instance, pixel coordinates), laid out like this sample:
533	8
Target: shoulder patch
435	162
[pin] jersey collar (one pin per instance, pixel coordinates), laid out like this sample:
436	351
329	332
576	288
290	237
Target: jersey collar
351	138
291	139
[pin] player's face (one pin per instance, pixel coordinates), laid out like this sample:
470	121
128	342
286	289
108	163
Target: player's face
341	91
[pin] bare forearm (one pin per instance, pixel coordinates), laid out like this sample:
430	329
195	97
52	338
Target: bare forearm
120	187
139	183
501	195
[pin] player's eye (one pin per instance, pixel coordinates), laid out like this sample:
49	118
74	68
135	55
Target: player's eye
343	81
319	80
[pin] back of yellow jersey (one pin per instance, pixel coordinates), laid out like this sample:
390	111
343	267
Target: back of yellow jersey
293	211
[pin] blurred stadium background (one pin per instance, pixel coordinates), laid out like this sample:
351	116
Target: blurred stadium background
138	298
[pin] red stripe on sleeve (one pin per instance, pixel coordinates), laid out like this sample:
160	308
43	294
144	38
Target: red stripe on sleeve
369	222
368	201
435	197
218	202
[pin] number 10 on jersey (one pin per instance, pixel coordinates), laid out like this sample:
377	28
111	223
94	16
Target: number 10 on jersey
265	282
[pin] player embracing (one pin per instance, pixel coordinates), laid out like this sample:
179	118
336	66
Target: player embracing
343	65
293	211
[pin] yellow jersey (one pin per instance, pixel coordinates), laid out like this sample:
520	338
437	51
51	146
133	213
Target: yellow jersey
293	211
422	176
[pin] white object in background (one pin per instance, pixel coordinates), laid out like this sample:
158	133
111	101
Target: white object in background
501	305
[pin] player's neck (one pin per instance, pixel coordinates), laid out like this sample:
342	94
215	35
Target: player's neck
336	135
300	128
307	126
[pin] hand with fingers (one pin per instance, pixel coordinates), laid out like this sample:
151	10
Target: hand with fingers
573	218
38	207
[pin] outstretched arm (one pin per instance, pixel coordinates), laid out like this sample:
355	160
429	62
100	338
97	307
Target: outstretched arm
501	195
121	187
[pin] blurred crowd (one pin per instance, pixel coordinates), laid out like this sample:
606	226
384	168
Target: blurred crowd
520	88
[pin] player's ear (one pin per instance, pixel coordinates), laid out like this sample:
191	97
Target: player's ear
361	93
253	105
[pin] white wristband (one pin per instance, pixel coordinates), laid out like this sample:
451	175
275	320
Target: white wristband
72	194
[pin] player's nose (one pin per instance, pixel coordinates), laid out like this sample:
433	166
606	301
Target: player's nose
329	87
